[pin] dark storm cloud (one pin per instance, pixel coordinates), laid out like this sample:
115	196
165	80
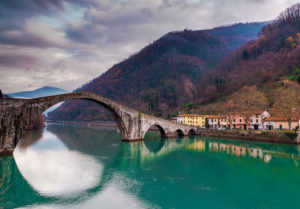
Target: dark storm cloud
16	60
14	25
108	25
27	8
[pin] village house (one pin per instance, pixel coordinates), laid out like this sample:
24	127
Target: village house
256	121
192	119
280	123
217	121
179	118
213	121
223	122
237	121
173	119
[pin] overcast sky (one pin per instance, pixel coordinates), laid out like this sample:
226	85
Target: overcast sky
66	43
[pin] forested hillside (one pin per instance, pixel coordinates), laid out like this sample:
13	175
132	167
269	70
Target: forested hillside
205	71
163	76
266	63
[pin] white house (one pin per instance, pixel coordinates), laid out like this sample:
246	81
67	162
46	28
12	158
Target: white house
213	121
179	119
217	121
256	121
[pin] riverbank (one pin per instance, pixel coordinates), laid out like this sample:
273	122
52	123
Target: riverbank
262	136
5	152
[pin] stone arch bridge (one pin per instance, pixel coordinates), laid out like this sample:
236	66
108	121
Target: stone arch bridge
16	116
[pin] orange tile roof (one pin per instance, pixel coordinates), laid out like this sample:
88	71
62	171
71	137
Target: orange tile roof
216	116
190	115
281	118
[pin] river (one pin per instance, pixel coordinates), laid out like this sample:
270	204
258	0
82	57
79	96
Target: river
67	166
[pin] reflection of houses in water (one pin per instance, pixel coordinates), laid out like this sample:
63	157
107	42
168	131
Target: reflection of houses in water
239	150
256	152
198	146
144	152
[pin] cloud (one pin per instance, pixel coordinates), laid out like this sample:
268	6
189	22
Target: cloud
66	43
29	7
16	60
34	34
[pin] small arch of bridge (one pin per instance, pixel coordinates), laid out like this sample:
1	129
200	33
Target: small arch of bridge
159	127
192	132
179	133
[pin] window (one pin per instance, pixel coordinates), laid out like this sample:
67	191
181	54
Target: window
256	120
251	120
240	120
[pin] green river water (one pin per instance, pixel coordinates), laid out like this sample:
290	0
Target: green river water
66	166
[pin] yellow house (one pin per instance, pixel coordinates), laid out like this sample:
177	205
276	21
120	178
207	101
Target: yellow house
193	119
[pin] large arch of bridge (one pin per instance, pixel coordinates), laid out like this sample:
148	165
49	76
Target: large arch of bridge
48	102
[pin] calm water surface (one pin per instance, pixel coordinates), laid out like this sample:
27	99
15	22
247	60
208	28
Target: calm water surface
80	167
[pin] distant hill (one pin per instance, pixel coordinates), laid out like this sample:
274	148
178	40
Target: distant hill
163	76
41	92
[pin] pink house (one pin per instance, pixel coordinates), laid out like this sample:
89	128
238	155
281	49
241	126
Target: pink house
237	121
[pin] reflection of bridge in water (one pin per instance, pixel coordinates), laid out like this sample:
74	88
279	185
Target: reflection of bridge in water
95	145
141	150
120	160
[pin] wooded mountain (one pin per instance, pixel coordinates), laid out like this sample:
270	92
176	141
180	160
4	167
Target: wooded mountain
163	76
265	63
202	68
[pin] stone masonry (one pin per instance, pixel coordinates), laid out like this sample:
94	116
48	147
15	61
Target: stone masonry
16	115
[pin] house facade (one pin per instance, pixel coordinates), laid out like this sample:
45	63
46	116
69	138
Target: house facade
280	123
192	119
179	119
237	121
213	121
256	121
173	119
217	121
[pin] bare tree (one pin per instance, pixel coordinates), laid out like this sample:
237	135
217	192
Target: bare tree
248	101
287	102
229	109
291	14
